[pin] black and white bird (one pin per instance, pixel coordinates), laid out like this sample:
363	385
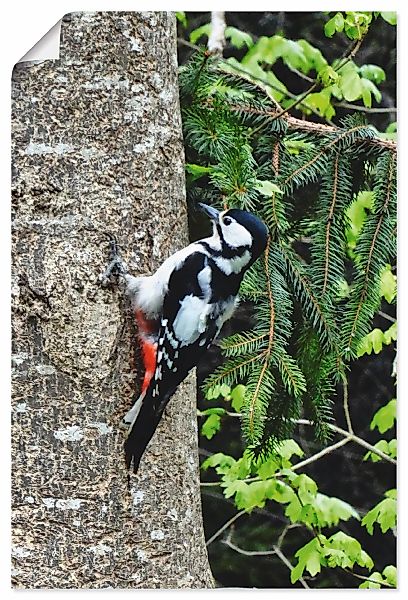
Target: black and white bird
180	310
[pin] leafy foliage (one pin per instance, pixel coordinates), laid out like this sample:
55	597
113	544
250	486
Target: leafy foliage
243	157
384	513
385	416
329	200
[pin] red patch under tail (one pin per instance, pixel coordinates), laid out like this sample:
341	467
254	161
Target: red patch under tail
147	329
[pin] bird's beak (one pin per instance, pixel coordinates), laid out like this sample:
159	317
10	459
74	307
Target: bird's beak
211	212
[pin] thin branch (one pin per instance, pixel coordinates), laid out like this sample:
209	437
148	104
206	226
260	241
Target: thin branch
320	454
298	465
216	39
365	109
225	526
321	129
384	583
388	317
292	122
343	61
285	561
276	551
353	437
231	545
346	403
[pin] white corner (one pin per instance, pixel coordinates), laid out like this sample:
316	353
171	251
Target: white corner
47	48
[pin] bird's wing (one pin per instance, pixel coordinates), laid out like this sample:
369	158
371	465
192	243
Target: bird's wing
188	326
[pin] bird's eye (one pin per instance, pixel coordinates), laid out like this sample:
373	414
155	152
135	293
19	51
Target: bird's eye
227	221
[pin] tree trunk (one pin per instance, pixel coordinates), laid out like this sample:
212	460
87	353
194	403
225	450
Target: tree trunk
97	148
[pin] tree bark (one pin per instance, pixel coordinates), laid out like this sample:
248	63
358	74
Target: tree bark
97	147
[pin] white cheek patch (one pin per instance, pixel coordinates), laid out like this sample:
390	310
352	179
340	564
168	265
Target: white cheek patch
235	235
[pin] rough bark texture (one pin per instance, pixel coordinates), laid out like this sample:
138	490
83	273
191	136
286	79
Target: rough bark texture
97	148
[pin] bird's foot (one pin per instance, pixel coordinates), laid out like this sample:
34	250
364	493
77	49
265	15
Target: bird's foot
116	266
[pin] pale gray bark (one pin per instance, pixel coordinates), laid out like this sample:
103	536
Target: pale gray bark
97	148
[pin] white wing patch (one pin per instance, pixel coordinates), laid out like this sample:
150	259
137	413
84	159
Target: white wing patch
204	281
191	319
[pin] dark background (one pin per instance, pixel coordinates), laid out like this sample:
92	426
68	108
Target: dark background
343	473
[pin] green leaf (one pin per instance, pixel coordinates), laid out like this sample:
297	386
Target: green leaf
336	23
251	496
390	335
239	470
215	410
196	34
385	417
388	448
373	341
294	509
233	487
327	75
371	585
357	215
181	18
307	488
390	17
390	575
238	38
373	72
268	468
330	511
368	88
197	171
309	557
221	462
218	390
342	550
279	491
267	188
350	85
287	448
384	514
237	397
388	284
210	426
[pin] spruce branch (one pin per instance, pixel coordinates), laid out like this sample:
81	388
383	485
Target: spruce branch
373	249
254	398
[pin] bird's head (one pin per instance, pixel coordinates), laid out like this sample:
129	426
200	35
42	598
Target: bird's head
238	229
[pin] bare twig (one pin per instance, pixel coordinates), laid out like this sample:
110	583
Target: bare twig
231	545
346	407
384	583
276	551
354	438
225	526
285	561
216	40
365	109
388	317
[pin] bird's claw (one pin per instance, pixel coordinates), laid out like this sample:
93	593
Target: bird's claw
116	266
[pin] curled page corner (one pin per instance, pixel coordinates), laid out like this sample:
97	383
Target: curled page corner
47	48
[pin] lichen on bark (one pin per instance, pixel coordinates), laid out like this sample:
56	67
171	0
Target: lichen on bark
97	147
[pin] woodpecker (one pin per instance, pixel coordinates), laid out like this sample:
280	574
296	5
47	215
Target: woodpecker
180	310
